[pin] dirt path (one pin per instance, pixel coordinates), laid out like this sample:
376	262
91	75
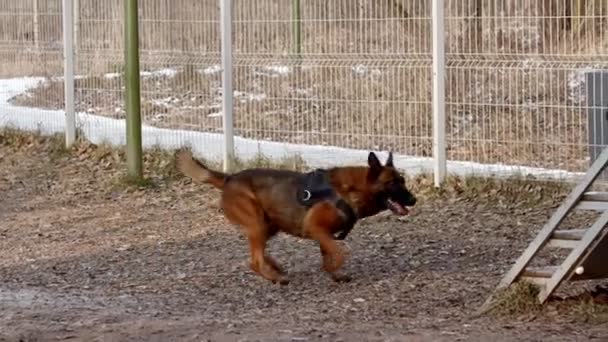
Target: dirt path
82	260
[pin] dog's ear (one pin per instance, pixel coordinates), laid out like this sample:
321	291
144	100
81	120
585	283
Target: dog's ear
389	160
374	165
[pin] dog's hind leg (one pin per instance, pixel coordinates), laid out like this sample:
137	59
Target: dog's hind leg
243	211
262	263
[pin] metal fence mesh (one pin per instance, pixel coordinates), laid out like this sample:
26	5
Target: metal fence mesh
515	89
30	53
352	80
345	73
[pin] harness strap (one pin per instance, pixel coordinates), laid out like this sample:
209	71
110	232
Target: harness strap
351	219
314	187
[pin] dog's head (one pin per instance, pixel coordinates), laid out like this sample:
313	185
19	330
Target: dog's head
388	186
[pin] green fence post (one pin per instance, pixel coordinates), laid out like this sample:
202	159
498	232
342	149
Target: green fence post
132	92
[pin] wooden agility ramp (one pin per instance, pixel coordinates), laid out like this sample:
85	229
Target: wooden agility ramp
588	257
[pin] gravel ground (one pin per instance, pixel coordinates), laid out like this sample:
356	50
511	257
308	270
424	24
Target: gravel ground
85	259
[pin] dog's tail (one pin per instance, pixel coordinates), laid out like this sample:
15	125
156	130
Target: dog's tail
194	169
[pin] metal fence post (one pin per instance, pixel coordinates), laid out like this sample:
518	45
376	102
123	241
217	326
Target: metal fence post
439	133
134	146
76	27
68	71
227	93
297	28
36	24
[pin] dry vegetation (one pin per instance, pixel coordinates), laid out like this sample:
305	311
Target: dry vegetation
520	299
515	89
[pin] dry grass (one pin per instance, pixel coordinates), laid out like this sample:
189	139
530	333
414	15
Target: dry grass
159	168
511	191
518	299
583	308
53	145
352	26
158	164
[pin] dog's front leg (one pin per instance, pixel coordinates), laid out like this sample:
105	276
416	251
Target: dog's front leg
329	266
342	235
318	223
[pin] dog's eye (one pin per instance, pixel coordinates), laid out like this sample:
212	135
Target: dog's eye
398	181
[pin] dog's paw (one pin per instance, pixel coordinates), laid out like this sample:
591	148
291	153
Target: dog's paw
341	278
283	281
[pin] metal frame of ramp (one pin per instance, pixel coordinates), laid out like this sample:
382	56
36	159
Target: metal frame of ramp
589	247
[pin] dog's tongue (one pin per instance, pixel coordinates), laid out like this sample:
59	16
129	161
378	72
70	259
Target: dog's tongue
398	208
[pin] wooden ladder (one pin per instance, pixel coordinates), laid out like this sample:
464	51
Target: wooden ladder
581	242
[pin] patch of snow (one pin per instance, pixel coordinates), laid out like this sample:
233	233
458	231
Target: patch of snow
302	92
112	75
273	71
167	72
244	96
165	102
159	117
278	69
100	129
212	69
461	121
361	69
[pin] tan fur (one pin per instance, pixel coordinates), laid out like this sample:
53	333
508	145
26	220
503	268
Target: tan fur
192	168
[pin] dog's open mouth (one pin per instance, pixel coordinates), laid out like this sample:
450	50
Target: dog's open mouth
396	207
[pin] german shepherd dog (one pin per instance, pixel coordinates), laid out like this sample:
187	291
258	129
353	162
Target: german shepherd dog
314	205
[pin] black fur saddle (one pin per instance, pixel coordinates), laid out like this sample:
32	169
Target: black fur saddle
314	187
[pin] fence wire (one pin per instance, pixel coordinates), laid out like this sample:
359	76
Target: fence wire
30	55
344	73
516	80
336	73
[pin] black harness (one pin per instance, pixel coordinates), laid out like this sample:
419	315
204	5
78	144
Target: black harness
314	187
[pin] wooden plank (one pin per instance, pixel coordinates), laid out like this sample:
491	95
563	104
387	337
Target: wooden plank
541	282
596	196
570	234
545	233
575	257
594	264
558	243
539	272
592	205
558	216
